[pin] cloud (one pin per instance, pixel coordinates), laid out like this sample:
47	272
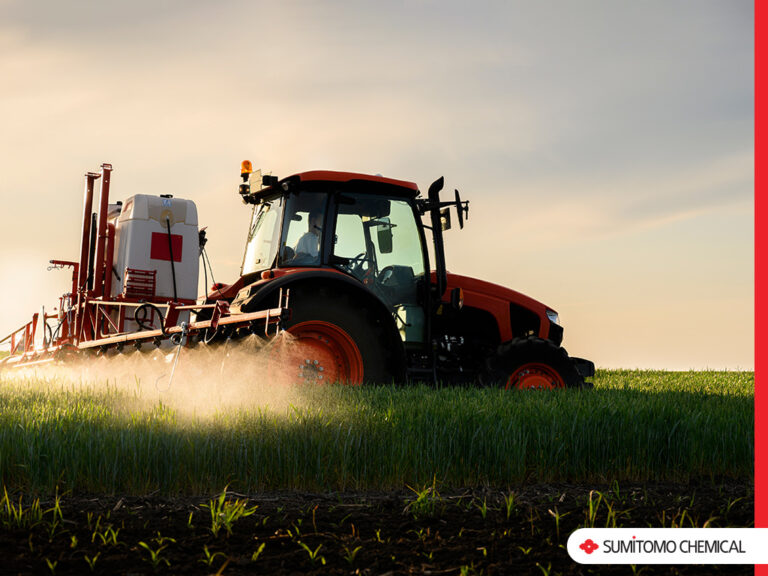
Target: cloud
722	182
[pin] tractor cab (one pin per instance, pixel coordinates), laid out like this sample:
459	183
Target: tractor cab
364	227
352	251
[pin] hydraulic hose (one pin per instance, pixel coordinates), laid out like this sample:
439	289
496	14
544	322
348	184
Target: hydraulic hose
140	317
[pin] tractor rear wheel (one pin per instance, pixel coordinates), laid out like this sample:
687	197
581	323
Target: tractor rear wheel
532	364
335	341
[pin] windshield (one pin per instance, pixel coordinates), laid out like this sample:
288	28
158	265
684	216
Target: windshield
263	236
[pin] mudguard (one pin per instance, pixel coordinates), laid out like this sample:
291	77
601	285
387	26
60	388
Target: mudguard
262	294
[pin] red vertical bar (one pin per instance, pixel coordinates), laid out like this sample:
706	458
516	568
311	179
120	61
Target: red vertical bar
85	248
761	362
31	333
98	322
85	240
75	274
101	238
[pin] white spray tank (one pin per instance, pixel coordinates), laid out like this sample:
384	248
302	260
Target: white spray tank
157	250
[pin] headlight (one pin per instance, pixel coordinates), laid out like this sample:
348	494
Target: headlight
553	317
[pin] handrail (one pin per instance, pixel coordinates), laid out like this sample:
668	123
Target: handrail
23	327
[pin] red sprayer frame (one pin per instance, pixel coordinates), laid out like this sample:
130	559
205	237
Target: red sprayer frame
91	319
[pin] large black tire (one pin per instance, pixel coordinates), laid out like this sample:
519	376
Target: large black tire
380	363
530	363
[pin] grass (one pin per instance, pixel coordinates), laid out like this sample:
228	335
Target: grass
634	426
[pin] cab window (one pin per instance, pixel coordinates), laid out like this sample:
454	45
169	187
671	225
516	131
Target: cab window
377	240
263	234
301	244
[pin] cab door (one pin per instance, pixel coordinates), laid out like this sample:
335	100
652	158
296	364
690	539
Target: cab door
377	240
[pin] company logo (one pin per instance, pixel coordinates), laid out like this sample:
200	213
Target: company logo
669	545
589	546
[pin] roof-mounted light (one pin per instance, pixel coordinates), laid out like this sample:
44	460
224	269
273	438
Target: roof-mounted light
245	173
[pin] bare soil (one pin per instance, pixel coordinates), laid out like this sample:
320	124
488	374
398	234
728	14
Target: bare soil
473	531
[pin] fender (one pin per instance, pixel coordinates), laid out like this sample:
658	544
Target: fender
264	293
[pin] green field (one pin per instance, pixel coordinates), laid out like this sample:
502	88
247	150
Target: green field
635	426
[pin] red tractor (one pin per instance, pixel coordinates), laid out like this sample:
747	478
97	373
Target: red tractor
365	306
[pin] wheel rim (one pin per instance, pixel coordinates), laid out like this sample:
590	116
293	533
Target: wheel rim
324	353
535	376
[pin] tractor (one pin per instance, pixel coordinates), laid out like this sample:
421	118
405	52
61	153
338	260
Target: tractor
335	262
365	304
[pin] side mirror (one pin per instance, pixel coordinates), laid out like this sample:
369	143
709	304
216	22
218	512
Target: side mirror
459	209
384	236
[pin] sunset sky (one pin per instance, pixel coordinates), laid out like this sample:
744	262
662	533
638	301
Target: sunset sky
606	146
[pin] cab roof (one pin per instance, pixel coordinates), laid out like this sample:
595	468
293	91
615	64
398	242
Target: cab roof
331	176
370	183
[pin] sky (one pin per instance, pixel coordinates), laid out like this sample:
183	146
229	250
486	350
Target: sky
606	146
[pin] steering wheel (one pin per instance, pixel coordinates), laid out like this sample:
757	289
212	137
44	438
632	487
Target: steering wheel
355	264
288	254
355	267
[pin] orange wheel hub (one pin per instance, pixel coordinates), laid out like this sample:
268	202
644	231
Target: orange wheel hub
535	376
324	353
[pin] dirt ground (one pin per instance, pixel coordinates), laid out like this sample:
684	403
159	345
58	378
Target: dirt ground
519	530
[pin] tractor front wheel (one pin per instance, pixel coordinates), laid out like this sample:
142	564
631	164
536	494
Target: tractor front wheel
532	364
